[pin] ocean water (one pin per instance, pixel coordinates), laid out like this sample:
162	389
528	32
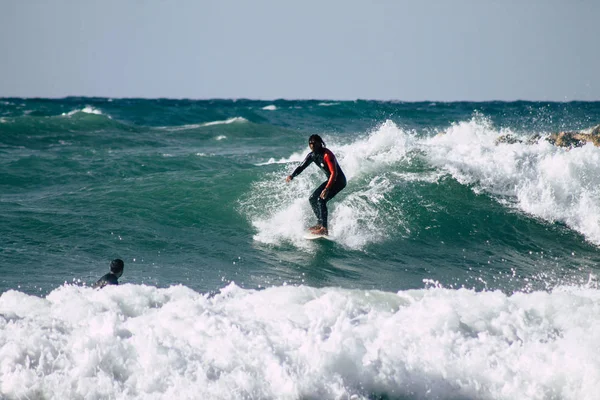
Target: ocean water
461	268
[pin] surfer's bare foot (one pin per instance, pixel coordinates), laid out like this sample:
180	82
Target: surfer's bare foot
315	228
320	231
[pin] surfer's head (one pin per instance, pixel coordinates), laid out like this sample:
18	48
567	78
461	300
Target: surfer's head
315	143
116	267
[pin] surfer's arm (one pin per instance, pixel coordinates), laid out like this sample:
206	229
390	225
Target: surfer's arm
301	167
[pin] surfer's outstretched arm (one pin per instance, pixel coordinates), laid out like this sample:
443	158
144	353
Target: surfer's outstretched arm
301	167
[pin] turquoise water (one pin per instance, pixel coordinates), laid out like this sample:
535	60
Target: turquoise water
193	193
177	189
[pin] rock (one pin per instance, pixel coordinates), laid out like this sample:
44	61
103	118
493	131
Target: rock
568	139
508	139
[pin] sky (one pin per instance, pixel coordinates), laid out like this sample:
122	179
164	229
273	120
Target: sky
475	50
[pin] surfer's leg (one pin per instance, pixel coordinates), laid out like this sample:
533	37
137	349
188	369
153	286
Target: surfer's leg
335	189
318	204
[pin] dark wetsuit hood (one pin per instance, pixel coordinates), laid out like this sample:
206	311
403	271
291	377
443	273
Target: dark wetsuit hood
116	267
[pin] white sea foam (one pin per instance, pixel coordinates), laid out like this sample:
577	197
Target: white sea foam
233	120
543	180
270	161
140	342
296	157
382	148
180	127
91	110
271	107
187	127
328	104
86	109
221	137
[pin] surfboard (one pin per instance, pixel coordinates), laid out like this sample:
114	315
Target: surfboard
312	236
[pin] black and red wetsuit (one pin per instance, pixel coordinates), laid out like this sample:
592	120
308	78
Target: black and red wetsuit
335	183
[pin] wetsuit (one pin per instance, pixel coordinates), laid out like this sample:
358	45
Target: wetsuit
335	183
108	279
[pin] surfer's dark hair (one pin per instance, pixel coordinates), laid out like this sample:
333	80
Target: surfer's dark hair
316	138
116	266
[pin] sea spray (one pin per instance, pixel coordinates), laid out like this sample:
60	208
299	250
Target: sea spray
139	342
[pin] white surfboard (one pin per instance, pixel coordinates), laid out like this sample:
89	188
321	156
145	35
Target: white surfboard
312	236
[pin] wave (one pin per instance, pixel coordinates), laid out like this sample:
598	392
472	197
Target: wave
85	110
48	130
540	180
362	214
296	157
37	118
234	120
136	341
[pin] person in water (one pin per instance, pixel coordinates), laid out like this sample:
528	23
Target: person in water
336	181
112	278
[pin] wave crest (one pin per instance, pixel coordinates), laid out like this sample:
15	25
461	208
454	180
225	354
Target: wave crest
133	341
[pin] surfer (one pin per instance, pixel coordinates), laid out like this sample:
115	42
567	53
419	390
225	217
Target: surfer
336	181
112	278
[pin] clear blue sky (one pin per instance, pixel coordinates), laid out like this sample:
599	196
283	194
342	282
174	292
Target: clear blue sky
377	49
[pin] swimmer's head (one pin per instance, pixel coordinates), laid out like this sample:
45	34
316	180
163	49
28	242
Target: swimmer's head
116	267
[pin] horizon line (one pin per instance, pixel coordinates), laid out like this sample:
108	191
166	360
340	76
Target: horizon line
282	99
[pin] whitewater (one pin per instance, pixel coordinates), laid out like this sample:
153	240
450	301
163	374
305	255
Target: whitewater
285	342
462	266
